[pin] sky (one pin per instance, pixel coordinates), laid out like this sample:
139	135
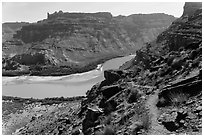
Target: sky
35	11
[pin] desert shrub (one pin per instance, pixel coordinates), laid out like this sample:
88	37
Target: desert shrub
177	98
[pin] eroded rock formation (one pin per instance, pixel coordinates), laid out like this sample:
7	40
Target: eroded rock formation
157	92
79	39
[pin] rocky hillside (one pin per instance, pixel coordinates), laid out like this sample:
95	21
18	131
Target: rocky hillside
143	28
158	92
73	41
10	28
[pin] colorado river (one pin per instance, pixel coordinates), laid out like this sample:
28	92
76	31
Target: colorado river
66	86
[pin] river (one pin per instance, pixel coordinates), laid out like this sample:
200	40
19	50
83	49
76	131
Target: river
66	86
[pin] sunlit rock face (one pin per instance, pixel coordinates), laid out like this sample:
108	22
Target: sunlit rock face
191	7
185	31
64	39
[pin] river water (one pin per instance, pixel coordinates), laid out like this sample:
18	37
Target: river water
66	86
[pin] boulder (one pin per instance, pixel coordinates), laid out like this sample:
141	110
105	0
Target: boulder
110	106
136	127
109	91
169	121
112	75
65	120
193	54
173	119
177	63
90	119
133	96
76	132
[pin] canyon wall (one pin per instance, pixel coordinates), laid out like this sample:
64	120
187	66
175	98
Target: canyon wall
67	39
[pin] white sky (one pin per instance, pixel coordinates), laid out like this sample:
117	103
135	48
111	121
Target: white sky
35	11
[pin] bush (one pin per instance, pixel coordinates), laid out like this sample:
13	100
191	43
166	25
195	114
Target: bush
177	98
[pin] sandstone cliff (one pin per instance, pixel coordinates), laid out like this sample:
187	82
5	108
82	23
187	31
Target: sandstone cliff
10	28
158	92
80	39
185	31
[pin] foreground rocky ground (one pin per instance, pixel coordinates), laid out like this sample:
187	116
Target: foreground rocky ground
157	92
43	116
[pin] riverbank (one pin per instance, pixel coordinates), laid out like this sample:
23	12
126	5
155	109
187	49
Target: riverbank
134	101
50	70
157	92
57	86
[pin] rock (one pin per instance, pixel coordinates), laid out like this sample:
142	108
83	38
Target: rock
111	76
191	7
191	24
9	64
200	126
136	127
177	63
76	132
193	54
33	118
64	120
134	96
174	119
80	36
200	114
182	112
162	102
169	121
170	59
150	91
182	121
110	106
189	102
109	91
198	109
165	71
90	119
184	88
98	127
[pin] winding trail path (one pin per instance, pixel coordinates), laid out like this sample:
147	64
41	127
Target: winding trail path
155	127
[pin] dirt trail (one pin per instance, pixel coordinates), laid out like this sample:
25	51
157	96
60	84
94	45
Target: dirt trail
155	127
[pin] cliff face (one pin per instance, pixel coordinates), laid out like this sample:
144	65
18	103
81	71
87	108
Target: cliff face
9	29
82	38
191	7
185	31
143	28
159	92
